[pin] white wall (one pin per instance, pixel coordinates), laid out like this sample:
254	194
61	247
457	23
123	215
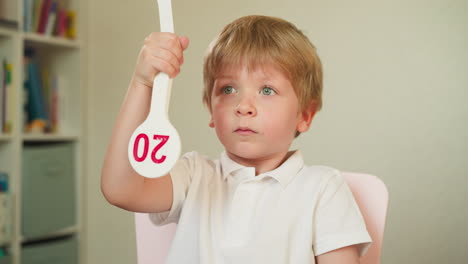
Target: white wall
394	106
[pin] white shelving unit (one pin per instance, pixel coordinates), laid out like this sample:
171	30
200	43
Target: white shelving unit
66	58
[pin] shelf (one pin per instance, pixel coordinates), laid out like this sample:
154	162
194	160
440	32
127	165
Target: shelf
5	137
49	40
6	243
64	232
48	137
7	32
58	61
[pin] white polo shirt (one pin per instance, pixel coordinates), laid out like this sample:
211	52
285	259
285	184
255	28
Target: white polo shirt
226	214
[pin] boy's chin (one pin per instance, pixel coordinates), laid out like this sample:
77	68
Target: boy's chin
240	150
246	151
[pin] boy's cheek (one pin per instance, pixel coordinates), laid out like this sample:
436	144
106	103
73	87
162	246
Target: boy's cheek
223	101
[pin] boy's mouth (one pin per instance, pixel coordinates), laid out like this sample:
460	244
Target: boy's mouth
244	131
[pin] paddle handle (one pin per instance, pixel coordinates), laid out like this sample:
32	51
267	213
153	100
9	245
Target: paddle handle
162	84
165	16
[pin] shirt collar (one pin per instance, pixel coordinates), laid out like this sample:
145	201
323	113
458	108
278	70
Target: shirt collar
283	174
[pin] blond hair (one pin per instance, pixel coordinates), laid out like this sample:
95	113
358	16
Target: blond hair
259	40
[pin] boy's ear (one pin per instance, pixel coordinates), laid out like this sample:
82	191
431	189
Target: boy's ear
305	118
211	123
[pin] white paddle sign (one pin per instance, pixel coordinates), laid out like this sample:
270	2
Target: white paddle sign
154	147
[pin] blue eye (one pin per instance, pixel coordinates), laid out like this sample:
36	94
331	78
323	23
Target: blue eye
228	89
267	91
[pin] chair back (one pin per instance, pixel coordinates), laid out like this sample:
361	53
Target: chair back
370	192
371	195
152	241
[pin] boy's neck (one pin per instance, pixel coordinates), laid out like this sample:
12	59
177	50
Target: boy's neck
262	164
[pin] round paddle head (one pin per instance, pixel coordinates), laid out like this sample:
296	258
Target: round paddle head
154	147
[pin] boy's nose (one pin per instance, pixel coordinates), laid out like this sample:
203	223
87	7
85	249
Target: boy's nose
246	107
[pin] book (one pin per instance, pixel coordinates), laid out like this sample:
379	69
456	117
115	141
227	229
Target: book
51	19
2	95
62	111
5	213
11	91
27	15
37	7
71	24
4	186
35	101
61	26
44	15
46	92
7	104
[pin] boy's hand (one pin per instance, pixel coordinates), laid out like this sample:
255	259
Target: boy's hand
161	52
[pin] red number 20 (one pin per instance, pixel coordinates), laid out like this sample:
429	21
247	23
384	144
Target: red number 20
143	136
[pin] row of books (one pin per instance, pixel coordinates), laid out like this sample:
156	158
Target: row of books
44	96
5	213
6	97
49	17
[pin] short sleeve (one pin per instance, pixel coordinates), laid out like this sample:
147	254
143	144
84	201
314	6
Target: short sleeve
181	176
338	221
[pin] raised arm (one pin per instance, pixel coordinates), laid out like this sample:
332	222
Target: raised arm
120	184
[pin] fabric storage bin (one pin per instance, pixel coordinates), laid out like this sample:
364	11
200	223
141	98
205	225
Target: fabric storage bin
5	260
5	218
48	188
60	251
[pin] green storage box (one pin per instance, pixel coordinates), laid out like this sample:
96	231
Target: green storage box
5	260
63	251
48	189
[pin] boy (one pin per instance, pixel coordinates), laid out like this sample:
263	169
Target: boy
258	203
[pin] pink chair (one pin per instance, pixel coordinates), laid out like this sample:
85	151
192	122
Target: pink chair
369	191
371	195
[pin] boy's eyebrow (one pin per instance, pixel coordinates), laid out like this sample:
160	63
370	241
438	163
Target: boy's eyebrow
225	76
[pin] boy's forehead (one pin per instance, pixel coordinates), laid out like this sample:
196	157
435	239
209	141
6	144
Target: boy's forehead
232	70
